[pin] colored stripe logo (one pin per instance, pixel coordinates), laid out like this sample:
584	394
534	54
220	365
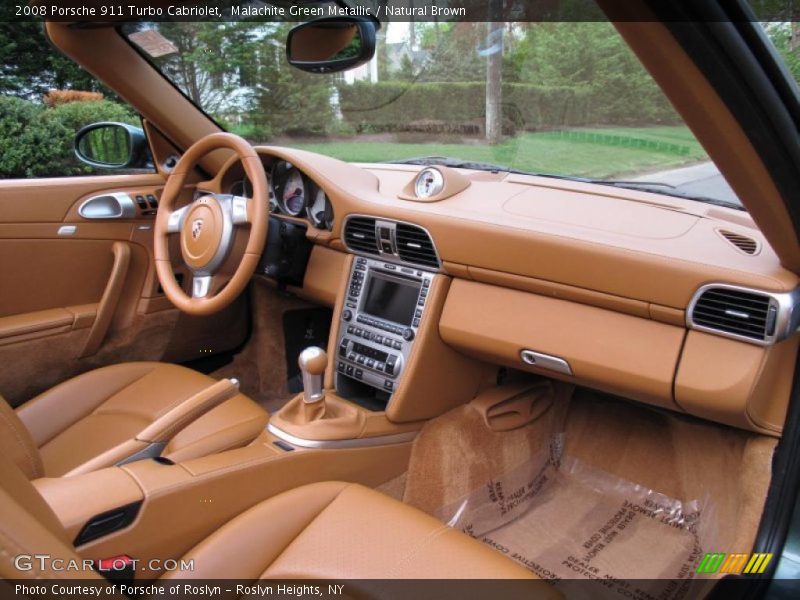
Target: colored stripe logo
735	564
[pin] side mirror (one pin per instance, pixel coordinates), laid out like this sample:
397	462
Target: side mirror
331	44
110	145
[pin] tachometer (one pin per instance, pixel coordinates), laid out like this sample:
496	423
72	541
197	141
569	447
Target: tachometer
294	194
320	211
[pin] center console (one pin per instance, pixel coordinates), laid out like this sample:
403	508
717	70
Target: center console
379	322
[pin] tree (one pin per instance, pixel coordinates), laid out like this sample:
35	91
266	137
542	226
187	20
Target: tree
288	100
30	65
494	74
786	37
215	60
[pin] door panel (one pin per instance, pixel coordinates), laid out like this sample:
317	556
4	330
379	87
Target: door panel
80	293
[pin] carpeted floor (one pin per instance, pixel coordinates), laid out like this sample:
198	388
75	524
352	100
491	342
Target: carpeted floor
261	365
595	487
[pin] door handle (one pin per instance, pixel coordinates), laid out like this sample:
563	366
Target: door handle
116	205
110	300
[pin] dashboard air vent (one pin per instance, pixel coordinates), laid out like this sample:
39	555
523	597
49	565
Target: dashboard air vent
359	235
414	245
736	312
742	242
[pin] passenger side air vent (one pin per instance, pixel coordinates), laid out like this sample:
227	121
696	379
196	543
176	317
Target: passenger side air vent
742	242
414	245
359	235
735	312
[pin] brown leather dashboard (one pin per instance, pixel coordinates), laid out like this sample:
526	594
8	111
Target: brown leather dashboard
598	276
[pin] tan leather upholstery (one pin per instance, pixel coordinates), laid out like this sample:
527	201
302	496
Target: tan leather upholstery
326	530
16	443
94	420
336	530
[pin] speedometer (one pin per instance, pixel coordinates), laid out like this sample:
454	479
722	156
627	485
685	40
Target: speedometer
320	211
294	194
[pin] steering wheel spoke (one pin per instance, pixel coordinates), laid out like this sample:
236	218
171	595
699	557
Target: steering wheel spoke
240	210
175	221
201	285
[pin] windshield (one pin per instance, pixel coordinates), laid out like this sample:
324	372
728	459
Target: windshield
568	99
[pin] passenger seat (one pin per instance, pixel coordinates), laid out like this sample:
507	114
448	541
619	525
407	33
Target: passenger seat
327	530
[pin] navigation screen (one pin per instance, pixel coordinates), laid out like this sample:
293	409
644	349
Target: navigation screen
391	300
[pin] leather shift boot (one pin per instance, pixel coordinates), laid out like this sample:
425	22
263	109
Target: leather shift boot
331	419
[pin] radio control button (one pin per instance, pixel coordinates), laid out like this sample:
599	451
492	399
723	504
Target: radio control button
349	370
361	359
378	338
415	322
351	356
397	344
371	363
347	315
359	373
388	385
408	335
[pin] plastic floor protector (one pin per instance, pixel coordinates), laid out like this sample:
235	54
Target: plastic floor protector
568	522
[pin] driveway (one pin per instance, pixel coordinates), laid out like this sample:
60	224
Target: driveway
698	180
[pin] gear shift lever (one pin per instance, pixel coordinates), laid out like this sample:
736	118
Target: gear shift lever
312	362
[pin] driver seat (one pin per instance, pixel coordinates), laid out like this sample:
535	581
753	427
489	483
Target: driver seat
123	412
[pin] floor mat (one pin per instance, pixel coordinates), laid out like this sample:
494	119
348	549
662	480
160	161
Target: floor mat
596	489
568	522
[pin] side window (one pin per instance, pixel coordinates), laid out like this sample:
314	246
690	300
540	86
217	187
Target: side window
45	100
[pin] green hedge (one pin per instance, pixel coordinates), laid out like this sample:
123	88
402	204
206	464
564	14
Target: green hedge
37	141
460	107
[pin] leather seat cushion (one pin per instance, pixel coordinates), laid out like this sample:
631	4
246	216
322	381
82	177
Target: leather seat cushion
338	531
83	417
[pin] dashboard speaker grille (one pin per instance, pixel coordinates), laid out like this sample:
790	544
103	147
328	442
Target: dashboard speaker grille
736	312
414	245
742	242
359	235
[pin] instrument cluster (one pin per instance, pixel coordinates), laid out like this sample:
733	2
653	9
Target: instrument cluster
293	193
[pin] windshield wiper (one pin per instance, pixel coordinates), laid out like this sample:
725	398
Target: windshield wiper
654	187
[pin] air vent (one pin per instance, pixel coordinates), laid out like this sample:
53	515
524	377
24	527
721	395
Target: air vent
414	245
742	242
735	312
359	235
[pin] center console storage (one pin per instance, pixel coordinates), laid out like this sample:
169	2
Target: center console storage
378	327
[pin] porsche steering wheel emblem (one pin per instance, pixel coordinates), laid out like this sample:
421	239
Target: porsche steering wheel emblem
197	228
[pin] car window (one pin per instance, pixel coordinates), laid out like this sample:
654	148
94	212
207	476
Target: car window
573	98
45	99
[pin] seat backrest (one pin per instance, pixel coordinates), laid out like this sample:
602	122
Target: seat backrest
30	528
17	444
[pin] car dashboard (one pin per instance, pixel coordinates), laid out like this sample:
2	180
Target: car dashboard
666	301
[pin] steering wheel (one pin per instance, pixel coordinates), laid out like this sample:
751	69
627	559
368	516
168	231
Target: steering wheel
207	230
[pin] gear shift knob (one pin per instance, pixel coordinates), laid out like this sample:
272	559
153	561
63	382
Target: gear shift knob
312	362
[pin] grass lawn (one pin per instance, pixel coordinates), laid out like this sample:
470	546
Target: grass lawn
541	152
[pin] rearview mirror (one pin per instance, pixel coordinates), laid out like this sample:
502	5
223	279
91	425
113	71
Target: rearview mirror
331	44
110	145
